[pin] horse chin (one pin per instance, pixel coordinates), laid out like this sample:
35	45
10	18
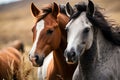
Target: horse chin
38	63
35	65
72	61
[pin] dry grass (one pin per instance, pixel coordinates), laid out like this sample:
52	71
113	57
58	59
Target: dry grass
26	70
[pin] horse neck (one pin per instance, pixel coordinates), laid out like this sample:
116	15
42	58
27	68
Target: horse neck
104	48
58	55
87	60
98	54
60	64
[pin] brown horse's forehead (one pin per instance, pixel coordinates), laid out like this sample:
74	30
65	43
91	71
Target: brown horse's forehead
49	22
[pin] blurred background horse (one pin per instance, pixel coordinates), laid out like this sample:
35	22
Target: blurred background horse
10	61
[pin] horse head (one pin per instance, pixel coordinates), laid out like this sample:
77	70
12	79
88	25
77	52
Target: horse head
46	32
79	32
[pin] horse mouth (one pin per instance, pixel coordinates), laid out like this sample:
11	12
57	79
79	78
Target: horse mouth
70	56
37	62
72	60
35	65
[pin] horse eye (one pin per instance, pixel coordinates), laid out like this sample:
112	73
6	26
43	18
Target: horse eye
86	30
49	31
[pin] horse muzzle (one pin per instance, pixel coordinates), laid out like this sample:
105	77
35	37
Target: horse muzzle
36	60
70	57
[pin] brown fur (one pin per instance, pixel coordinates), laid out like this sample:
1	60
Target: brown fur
10	59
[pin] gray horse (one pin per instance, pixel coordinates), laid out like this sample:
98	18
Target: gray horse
92	43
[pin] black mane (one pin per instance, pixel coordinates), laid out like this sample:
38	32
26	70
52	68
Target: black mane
80	8
99	21
62	9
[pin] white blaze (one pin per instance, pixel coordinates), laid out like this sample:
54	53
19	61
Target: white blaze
39	27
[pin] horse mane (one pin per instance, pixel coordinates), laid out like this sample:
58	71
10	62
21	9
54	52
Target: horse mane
98	20
62	9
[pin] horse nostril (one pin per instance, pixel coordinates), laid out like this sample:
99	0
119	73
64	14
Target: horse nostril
73	54
39	59
36	58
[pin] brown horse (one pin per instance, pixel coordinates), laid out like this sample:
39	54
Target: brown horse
49	35
10	59
9	63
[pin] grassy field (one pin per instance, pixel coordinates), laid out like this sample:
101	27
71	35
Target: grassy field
16	22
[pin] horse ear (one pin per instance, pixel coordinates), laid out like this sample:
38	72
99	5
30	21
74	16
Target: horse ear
55	10
69	9
35	10
90	8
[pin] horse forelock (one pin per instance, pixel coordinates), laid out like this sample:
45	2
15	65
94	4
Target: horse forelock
47	8
79	8
62	9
